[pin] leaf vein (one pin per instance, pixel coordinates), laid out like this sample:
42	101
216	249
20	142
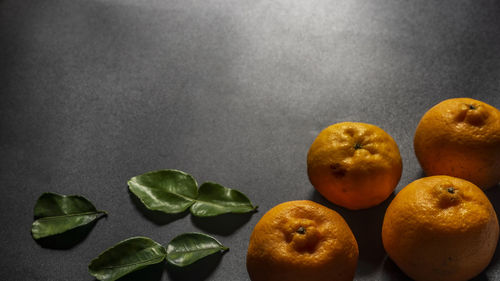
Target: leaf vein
146	189
71	215
200	250
230	203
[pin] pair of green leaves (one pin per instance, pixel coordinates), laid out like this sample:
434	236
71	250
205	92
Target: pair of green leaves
139	252
169	191
173	191
56	214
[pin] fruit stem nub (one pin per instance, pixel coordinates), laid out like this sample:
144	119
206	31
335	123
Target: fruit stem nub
451	190
301	230
471	106
357	146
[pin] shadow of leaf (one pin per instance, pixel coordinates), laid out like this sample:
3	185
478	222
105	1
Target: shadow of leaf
68	239
223	225
197	271
151	273
366	226
157	217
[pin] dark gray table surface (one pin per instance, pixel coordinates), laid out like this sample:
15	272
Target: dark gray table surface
94	92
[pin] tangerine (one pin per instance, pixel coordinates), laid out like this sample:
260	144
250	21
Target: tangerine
460	137
440	228
302	240
354	165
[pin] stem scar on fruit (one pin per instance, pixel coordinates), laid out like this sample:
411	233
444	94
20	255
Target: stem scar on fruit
301	230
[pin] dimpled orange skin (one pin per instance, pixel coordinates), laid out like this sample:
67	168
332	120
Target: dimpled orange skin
302	240
440	228
460	137
354	165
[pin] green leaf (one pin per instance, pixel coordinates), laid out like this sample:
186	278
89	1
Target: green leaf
215	199
125	257
169	191
56	214
187	248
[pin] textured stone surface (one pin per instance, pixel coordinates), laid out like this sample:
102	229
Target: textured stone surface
94	92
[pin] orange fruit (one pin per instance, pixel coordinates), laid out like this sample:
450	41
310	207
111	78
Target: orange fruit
460	137
302	240
354	165
440	228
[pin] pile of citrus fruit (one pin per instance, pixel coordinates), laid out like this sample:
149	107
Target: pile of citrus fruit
440	227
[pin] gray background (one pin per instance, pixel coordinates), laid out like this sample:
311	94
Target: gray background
94	92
